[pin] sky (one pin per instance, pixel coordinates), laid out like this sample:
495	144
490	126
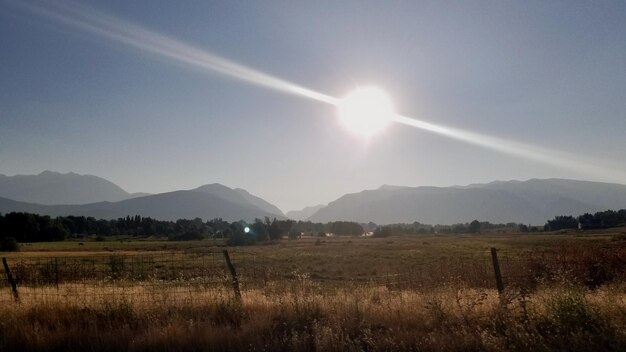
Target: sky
550	75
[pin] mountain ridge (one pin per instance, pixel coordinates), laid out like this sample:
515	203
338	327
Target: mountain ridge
52	188
304	213
163	206
533	201
207	201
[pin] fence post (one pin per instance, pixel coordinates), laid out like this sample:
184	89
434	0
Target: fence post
496	270
233	273
56	274
16	295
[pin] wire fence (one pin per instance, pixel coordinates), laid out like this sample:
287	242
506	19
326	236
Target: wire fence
188	276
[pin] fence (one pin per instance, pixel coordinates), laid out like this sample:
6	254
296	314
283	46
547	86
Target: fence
186	276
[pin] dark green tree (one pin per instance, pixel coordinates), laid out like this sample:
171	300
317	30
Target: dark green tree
259	230
273	229
474	227
561	223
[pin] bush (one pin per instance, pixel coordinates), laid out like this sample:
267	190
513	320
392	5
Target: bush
186	236
116	265
570	313
238	237
383	231
9	244
241	239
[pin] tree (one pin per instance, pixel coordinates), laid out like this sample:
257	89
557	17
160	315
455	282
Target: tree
259	230
8	244
474	227
237	236
23	227
273	229
191	235
52	230
609	218
345	228
561	223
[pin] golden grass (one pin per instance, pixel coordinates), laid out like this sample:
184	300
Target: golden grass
301	318
335	296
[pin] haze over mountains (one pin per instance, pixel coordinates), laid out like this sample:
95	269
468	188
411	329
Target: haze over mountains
206	202
533	201
52	188
304	213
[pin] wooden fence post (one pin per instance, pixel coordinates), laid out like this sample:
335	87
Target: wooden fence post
233	273
496	270
16	295
56	273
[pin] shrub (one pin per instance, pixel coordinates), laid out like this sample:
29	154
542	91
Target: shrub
383	231
186	236
9	244
570	313
116	266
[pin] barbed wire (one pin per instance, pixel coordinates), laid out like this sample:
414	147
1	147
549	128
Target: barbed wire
188	275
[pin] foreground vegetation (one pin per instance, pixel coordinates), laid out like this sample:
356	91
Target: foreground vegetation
452	318
564	291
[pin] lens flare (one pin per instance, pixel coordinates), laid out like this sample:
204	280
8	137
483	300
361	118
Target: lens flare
137	37
358	112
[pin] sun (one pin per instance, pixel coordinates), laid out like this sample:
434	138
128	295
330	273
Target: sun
366	110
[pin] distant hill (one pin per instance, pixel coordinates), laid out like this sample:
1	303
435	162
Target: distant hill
138	194
533	201
239	196
304	213
163	206
50	188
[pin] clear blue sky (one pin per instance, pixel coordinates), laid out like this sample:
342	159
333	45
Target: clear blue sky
546	73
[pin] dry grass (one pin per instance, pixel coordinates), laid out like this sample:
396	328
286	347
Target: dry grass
451	318
337	296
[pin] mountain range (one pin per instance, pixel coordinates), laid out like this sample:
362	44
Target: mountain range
304	213
206	202
531	202
50	188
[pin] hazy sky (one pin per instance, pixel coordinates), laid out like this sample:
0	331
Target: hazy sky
546	73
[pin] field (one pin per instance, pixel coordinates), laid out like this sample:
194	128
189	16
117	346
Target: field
563	291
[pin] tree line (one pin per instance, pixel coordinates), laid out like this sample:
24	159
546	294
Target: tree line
27	227
474	226
600	220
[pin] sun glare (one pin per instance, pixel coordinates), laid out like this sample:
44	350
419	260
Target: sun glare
366	110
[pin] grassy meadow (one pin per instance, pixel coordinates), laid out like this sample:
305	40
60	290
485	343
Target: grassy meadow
563	291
